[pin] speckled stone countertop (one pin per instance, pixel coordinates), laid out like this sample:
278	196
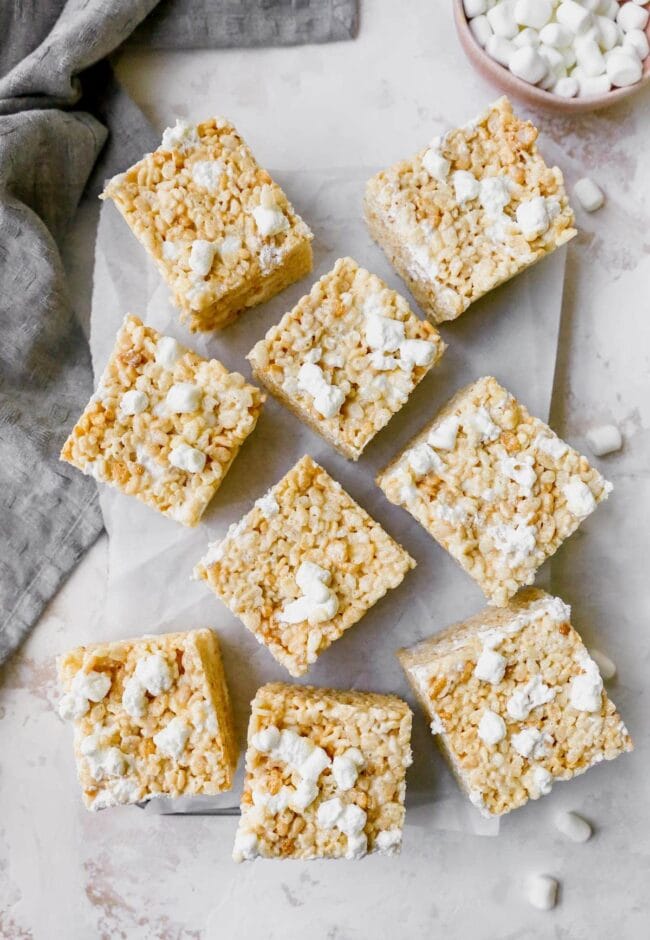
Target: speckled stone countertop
66	874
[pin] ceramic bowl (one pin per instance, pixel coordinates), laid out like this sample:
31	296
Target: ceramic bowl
499	76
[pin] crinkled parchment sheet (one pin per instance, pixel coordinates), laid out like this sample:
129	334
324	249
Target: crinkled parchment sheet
512	334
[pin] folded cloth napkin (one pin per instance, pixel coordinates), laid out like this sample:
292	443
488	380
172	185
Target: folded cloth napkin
192	24
57	99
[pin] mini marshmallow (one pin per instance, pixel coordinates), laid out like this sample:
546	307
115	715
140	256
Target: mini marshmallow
481	29
134	402
591	5
630	16
572	826
609	8
590	58
574	16
542	892
623	67
609	34
607	438
606	666
500	49
589	195
553	57
588	86
636	39
556	35
569	57
535	13
566	87
526	63
474	7
502	19
527	37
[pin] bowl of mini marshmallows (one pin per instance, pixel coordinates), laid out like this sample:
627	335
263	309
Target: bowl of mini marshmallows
561	55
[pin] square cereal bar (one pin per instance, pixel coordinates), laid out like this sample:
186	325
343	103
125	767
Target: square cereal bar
468	212
347	357
494	486
223	235
303	566
151	718
164	424
515	700
325	774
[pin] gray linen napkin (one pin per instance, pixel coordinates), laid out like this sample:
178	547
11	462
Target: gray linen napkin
56	104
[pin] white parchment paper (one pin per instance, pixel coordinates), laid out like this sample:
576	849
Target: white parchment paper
511	334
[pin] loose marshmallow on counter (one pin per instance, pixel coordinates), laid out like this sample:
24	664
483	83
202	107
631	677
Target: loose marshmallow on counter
541	892
606	666
589	195
572	826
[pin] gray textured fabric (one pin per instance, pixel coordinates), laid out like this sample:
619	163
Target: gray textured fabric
49	514
211	24
57	99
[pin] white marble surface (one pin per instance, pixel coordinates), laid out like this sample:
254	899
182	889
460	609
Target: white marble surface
68	874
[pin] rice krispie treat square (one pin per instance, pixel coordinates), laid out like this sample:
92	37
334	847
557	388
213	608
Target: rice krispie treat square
303	566
151	718
325	774
470	211
164	424
347	357
494	486
223	235
515	700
